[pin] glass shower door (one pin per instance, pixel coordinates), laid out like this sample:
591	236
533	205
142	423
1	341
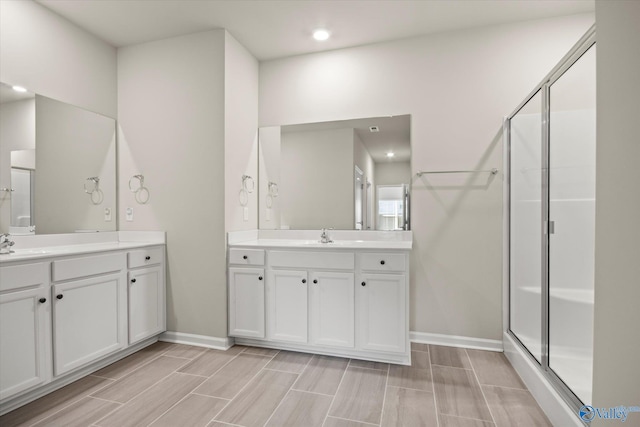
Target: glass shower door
572	157
525	234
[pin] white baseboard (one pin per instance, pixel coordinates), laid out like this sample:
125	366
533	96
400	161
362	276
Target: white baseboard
456	341
558	412
197	340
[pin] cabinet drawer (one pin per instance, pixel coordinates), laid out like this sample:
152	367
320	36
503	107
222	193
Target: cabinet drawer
87	266
246	256
382	262
23	276
144	257
304	259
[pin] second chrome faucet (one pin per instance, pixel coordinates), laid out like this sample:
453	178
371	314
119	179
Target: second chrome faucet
324	237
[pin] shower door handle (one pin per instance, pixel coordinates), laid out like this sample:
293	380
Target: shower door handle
550	228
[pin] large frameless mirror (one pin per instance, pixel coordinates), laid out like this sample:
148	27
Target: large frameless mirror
347	174
58	166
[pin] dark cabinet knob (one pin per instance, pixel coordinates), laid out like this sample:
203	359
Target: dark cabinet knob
133	280
59	296
363	284
42	300
259	277
244	257
315	280
382	262
304	280
147	257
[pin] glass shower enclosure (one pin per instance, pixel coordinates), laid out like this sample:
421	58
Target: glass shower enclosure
551	176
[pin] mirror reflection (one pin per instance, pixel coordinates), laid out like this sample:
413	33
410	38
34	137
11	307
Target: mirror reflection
58	166
347	175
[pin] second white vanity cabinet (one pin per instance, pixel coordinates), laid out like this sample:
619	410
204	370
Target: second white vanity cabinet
341	300
89	309
146	292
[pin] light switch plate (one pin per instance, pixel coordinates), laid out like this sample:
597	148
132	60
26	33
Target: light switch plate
268	214
245	213
107	214
129	214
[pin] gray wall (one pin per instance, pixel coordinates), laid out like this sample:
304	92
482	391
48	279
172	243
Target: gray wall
617	276
171	120
456	124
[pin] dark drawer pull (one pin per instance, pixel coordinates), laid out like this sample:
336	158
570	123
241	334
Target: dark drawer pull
42	300
363	284
147	257
244	257
382	262
59	296
315	280
133	280
259	277
304	280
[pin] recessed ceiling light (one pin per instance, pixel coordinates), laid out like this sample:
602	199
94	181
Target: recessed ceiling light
18	88
390	154
321	34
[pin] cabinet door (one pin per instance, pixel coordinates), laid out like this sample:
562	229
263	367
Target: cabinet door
146	303
382	312
287	302
332	309
89	320
24	340
246	302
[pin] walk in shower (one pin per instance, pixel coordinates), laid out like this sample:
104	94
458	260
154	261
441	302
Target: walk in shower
551	156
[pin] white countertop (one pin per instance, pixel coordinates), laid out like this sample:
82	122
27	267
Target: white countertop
315	244
50	246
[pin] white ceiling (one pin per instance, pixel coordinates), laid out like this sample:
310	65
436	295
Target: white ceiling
273	29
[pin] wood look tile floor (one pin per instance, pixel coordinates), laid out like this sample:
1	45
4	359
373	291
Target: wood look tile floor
182	386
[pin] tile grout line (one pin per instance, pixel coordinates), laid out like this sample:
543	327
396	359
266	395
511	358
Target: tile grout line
480	387
210	397
337	389
454	367
433	388
105	400
353	421
311	392
240	391
384	398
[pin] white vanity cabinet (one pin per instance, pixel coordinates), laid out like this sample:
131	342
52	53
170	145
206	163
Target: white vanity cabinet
333	300
66	311
146	293
25	328
246	293
89	309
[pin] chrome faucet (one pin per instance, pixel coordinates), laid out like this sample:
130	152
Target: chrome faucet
324	237
6	243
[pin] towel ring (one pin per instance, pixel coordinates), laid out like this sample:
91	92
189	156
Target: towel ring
248	184
135	188
273	189
97	196
243	197
94	184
